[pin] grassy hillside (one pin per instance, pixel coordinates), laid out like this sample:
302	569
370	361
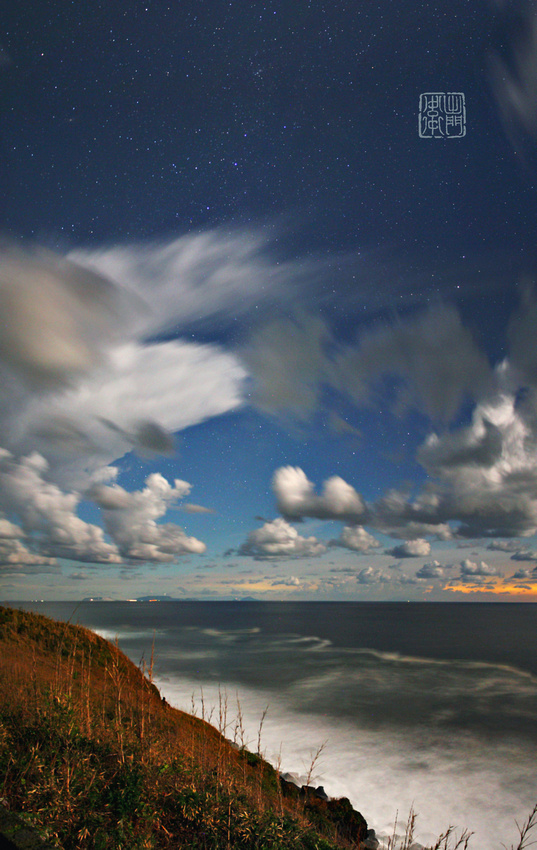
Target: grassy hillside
92	756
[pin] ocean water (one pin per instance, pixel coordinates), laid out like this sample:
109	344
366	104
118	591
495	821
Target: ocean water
426	705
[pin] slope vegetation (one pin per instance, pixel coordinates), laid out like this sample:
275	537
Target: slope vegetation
93	757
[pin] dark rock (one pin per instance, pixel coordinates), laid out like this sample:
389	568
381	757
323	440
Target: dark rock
325	812
289	789
350	824
371	841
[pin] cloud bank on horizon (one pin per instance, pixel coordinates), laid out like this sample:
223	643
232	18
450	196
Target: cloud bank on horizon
97	360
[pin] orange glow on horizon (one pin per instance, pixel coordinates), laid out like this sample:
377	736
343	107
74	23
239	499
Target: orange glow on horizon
498	587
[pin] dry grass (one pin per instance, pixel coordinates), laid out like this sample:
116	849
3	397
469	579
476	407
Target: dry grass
93	756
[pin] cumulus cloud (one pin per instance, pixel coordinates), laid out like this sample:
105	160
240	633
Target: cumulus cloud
524	555
51	528
495	500
131	520
396	514
478	445
393	514
296	497
482	476
88	371
8	530
278	539
474	491
288	581
471	568
431	570
411	549
504	546
47	514
523	575
369	575
356	538
404	579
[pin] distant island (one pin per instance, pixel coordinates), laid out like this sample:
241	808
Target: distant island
164	597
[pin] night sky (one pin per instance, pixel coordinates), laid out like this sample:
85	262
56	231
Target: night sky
264	333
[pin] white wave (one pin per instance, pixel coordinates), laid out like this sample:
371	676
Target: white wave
126	634
453	663
316	644
451	780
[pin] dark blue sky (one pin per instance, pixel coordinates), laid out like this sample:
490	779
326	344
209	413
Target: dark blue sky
288	275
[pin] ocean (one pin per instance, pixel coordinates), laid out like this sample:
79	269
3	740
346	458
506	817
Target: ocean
430	705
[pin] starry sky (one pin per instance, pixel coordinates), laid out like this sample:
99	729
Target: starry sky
266	331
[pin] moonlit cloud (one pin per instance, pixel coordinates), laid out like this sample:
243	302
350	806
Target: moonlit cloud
94	366
131	520
369	575
81	385
431	570
8	530
82	382
355	538
496	499
15	558
523	575
144	393
393	514
435	357
515	82
62	318
296	497
190	508
48	515
411	549
198	276
504	546
479	445
524	555
278	539
408	519
470	568
288	363
434	354
50	527
483	476
290	581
